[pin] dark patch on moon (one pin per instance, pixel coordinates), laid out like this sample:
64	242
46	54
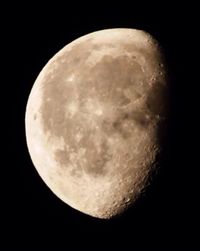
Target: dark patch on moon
97	160
131	119
62	157
113	73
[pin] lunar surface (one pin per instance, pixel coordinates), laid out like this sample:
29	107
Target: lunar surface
94	120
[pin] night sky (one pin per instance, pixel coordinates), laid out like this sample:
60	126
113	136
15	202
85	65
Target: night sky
164	213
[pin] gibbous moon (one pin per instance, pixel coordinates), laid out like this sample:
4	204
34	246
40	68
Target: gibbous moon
95	117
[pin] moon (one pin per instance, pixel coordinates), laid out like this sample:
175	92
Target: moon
94	120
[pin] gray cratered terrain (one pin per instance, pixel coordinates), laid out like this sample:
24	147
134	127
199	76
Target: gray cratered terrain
94	119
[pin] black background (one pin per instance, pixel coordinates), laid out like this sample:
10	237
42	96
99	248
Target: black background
163	216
